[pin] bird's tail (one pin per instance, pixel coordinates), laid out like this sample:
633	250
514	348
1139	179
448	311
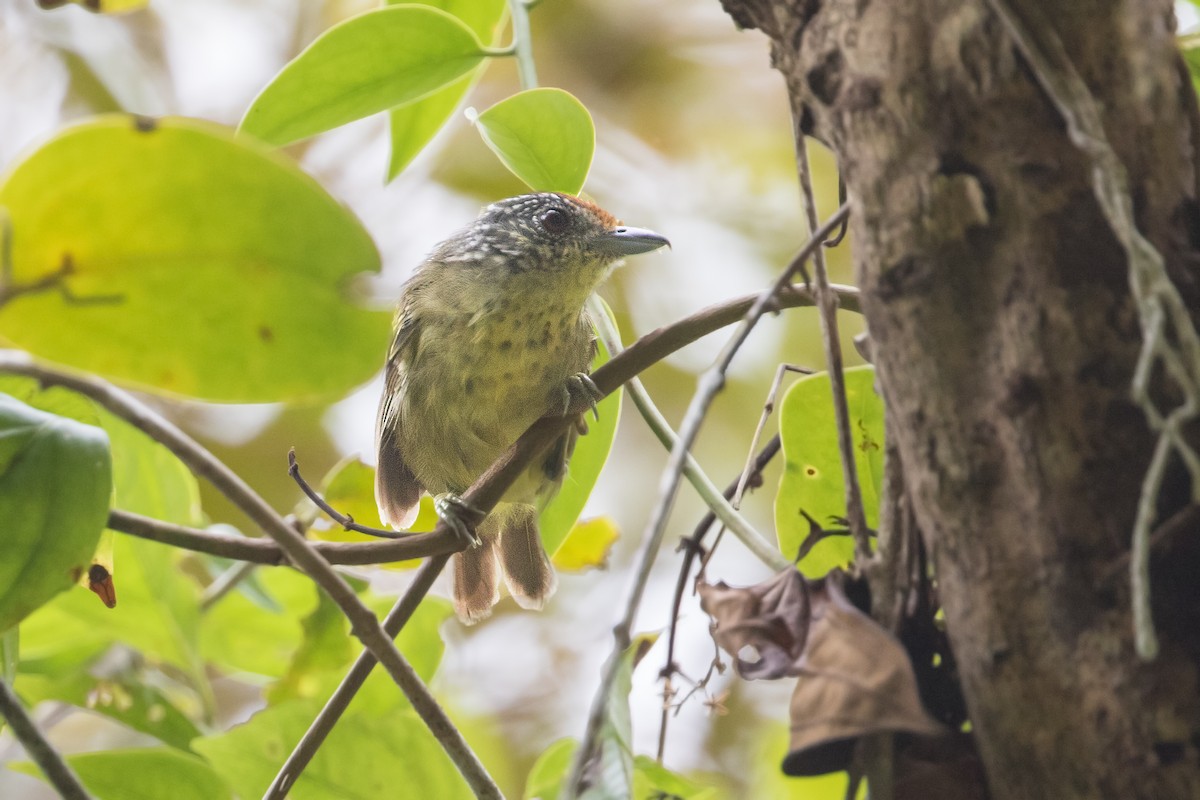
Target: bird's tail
510	546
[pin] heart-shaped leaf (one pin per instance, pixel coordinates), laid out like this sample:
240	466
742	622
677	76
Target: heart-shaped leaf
545	136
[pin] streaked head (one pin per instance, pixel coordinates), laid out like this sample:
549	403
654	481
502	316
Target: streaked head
548	232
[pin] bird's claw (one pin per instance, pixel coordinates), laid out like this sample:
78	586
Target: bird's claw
462	517
580	394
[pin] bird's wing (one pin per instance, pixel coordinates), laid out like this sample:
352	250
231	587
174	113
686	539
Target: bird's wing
397	490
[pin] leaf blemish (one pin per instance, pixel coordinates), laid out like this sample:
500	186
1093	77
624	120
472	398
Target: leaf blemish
144	124
266	334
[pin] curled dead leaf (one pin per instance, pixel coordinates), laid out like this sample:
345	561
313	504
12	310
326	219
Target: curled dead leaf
855	678
770	618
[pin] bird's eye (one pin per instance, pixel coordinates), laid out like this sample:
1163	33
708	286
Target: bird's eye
554	221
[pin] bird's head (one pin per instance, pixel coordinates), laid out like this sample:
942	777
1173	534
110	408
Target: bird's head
546	235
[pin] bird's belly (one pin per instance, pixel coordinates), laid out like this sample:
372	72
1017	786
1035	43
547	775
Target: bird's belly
464	408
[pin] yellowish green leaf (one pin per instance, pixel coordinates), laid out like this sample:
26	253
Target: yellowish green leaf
587	545
544	136
367	64
198	264
812	467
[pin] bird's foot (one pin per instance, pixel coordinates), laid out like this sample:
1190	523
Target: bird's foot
462	517
580	394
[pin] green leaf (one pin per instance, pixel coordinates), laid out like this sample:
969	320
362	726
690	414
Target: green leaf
157	607
587	545
545	778
143	774
365	757
591	452
55	484
1189	47
414	125
197	263
650	779
812	466
10	649
240	635
367	64
326	647
157	612
612	762
131	696
544	136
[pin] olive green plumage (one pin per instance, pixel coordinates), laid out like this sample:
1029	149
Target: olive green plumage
490	335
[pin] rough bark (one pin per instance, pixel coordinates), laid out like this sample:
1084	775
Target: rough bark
999	306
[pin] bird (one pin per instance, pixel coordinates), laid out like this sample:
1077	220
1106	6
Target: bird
491	334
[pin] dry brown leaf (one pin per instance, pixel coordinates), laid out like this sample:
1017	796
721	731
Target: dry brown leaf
771	617
855	678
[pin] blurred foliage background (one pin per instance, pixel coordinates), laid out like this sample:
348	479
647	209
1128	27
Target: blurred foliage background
693	140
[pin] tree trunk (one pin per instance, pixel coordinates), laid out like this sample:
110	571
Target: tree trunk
1005	336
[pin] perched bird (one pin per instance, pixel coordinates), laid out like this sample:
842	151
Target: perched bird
490	335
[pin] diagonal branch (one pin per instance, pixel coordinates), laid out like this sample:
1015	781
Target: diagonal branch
339	701
50	761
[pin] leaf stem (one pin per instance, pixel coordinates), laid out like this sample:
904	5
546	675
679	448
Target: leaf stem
523	43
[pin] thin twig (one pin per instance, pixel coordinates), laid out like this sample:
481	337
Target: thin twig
827	304
768	408
339	701
709	384
363	622
345	520
1168	335
691	547
50	761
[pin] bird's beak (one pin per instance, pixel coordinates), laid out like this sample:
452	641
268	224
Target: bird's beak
625	241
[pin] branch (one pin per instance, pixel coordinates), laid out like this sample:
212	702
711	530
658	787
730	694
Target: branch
709	384
363	622
339	701
49	760
1168	334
